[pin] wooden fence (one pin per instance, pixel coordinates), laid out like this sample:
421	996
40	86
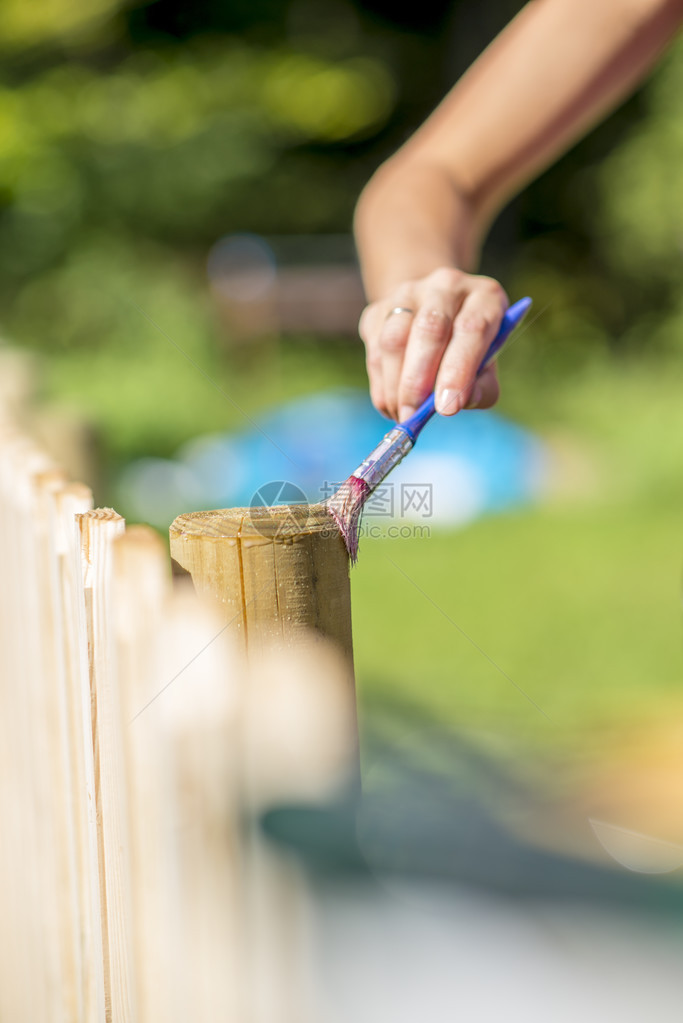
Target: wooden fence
136	737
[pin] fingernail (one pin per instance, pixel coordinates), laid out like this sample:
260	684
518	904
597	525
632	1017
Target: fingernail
475	397
446	401
405	412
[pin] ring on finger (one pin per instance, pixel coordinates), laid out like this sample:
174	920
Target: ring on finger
400	309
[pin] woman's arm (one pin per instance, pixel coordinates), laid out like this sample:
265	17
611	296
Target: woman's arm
555	71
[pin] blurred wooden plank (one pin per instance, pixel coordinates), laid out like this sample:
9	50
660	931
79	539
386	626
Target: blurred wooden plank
298	744
98	530
198	711
33	985
72	500
142	591
58	739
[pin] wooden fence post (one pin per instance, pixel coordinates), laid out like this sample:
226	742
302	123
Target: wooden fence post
276	573
280	576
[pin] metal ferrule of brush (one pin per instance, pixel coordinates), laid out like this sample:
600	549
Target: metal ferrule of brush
391	449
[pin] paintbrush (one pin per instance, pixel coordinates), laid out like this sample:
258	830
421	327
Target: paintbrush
346	504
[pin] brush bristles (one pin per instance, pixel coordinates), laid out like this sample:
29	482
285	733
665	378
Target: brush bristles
346	507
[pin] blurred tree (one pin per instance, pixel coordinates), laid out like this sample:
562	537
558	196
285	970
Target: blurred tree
105	138
604	236
637	194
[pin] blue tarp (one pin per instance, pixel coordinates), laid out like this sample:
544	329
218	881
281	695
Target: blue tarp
462	466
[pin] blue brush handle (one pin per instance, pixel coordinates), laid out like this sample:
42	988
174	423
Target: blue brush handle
512	318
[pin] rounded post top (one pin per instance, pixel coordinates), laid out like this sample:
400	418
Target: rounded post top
279	523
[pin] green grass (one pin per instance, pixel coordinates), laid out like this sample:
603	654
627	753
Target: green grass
573	615
553	622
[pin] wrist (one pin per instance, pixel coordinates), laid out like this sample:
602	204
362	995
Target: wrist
399	239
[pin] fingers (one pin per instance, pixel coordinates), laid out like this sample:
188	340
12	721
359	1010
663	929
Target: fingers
430	333
476	324
392	343
369	328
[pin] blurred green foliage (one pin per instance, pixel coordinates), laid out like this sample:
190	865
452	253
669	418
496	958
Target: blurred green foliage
122	163
134	135
611	273
129	145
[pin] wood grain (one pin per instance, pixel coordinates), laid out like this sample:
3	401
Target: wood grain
98	530
276	573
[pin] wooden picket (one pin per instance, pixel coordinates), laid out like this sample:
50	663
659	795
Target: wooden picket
135	738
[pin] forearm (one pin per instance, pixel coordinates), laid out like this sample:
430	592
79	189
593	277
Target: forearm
557	69
410	220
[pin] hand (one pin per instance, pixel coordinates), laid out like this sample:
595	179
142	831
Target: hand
431	334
